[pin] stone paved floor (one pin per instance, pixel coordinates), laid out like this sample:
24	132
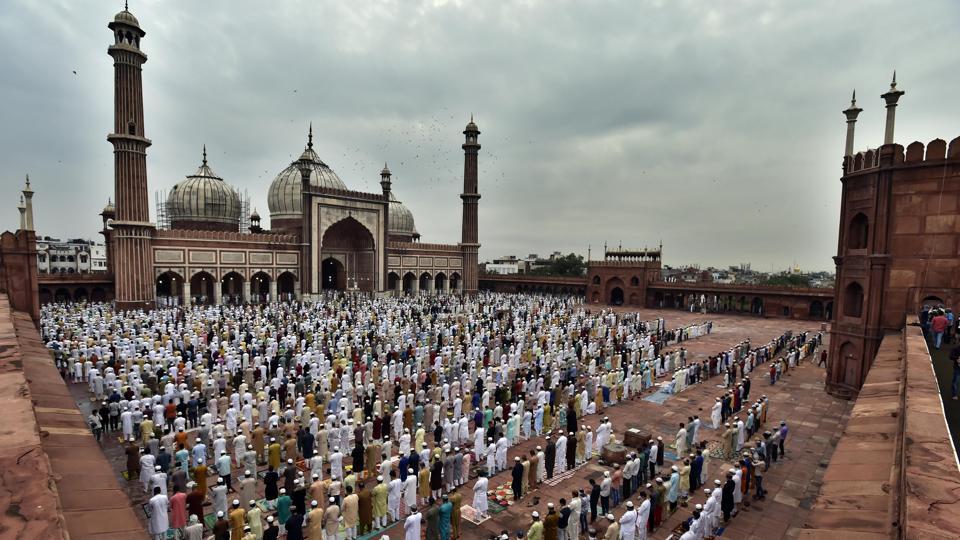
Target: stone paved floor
816	421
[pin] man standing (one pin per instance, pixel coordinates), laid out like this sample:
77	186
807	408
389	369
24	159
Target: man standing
517	475
564	521
411	527
159	522
551	523
535	532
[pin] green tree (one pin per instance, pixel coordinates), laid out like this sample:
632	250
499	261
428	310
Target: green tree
566	265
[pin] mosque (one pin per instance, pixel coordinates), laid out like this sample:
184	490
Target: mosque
322	234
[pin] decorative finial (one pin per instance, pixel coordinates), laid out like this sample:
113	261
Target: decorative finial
310	137
471	117
893	83
28	180
125	6
204	154
109	201
853	100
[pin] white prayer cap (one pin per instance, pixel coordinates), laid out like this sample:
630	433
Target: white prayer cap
198	439
220	480
649	485
732	470
220	514
236	502
610	517
707	491
699	507
269	519
606	474
156	468
629	504
717	482
674	468
380	478
289	460
535	514
659	438
252	502
539	447
550	505
283	491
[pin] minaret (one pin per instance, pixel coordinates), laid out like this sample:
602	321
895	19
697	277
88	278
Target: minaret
23	214
469	242
28	205
385	181
309	282
891	97
851	113
132	230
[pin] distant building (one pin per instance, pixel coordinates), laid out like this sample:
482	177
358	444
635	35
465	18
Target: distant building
74	256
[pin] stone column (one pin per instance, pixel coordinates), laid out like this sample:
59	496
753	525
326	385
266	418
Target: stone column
415	289
273	291
431	285
891	97
245	289
446	285
851	113
218	292
186	293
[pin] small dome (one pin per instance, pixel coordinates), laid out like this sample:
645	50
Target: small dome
109	209
255	216
204	201
284	198
126	17
401	220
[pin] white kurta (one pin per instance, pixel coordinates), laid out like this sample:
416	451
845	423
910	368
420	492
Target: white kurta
480	495
411	527
159	523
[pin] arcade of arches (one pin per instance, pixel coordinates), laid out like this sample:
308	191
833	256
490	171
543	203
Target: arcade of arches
230	288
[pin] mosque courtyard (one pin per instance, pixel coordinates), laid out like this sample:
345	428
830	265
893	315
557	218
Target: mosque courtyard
815	419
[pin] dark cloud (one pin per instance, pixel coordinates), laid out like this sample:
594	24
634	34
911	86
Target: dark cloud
714	127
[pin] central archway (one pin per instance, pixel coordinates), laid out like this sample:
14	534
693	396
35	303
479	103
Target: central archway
616	296
350	245
333	276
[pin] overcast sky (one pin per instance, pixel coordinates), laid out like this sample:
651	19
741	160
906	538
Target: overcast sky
712	126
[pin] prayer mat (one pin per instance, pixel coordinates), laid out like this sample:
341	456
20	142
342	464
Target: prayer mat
672	456
501	495
658	397
557	478
470	514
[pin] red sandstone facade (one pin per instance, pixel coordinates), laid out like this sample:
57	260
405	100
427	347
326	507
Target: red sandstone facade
342	239
898	245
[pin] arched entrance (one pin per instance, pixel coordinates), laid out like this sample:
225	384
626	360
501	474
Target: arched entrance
169	289
616	296
287	286
231	289
756	306
352	246
79	294
409	283
614	291
201	288
260	288
931	301
440	282
333	276
62	295
98	294
45	296
829	311
850	364
455	284
426	282
393	281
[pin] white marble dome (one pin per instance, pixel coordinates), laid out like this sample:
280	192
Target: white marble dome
284	198
204	200
401	219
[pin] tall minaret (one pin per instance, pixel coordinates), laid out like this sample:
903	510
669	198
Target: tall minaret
132	230
28	205
469	241
892	96
851	113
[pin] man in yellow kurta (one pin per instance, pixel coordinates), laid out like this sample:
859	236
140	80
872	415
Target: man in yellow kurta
273	454
380	504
